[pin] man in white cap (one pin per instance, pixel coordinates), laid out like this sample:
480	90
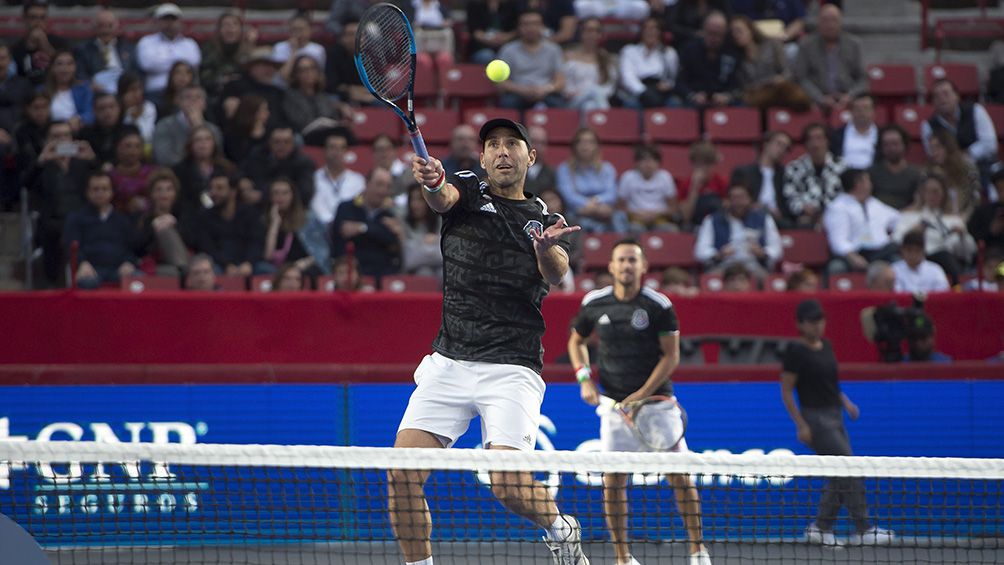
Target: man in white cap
157	52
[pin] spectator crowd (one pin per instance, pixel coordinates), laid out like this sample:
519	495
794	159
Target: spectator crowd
231	157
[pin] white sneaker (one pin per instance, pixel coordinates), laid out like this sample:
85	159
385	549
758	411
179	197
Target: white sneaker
816	536
700	558
873	536
568	551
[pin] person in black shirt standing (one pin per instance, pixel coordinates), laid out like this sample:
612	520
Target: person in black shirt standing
639	350
502	250
810	367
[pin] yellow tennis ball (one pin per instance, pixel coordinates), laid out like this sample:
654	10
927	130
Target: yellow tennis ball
497	70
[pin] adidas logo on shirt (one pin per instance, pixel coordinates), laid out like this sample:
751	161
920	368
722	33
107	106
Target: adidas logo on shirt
489	207
604	320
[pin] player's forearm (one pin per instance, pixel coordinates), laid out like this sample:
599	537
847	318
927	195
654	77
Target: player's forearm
660	374
789	404
578	353
442	200
553	264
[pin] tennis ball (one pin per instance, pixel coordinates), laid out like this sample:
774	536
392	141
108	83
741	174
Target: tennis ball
497	70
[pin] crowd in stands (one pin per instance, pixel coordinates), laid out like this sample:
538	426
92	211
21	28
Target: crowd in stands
234	158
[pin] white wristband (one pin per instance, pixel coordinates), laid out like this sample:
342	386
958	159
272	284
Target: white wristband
583	374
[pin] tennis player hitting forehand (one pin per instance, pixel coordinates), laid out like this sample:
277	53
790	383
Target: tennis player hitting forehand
501	252
639	350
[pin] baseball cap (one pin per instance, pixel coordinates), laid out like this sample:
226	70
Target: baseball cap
809	311
167	10
263	54
504	123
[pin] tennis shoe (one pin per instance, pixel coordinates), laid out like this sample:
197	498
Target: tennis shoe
568	551
700	558
872	536
816	536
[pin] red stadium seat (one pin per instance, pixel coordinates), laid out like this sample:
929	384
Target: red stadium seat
561	124
316	154
996	112
775	283
359	159
711	282
410	283
426	83
892	83
232	283
732	124
368	123
734	156
669	249
558	154
620	156
137	285
476	117
840	119
261	283
466	80
436	125
671	125
327	284
807	247
796	151
911	116
965	76
848	281
676	160
584	283
616	125
653	281
916	154
596	249
792	123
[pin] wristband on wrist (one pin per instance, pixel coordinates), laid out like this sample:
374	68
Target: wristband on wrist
583	374
439	183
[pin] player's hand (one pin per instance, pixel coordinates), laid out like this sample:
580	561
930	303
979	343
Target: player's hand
853	411
543	241
589	393
427	172
805	434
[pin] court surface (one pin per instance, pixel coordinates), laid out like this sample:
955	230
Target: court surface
386	553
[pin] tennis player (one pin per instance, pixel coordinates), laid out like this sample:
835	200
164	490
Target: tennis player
502	250
810	367
639	349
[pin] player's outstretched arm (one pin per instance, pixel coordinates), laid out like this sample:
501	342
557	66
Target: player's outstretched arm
439	194
552	259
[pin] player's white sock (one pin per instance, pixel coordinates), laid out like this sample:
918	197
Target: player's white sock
560	529
427	561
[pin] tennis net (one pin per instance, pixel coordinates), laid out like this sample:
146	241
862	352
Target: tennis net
86	502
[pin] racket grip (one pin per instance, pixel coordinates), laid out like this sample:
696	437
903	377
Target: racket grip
419	144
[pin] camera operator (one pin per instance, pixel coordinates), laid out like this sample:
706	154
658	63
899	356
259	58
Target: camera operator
920	340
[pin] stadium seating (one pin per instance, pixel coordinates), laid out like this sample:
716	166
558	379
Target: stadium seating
848	281
315	153
733	156
369	122
561	124
892	83
558	154
327	284
261	283
466	81
436	125
911	116
676	160
966	78
671	125
711	282
584	283
137	285
596	249
426	82
476	117
775	282
732	125
620	156
616	125
410	283
360	159
840	119
792	123
669	249
808	247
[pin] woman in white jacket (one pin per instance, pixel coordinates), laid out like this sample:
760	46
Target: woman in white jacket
947	242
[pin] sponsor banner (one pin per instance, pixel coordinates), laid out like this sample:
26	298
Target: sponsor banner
157	503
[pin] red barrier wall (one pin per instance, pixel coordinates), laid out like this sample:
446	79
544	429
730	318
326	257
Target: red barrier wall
154	328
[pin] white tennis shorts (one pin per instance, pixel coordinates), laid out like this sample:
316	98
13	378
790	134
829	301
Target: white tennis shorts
451	393
615	435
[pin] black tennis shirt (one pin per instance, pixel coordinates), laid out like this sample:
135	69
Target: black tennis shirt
492	288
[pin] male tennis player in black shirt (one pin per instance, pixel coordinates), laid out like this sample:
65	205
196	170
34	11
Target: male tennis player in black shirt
810	367
639	350
501	252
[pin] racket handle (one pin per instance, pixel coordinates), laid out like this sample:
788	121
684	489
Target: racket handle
419	144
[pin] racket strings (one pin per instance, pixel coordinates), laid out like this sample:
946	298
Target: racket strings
384	47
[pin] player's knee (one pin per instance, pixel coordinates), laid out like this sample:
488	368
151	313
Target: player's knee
615	480
680	481
504	486
403	480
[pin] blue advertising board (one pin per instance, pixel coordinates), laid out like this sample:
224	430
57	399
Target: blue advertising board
155	503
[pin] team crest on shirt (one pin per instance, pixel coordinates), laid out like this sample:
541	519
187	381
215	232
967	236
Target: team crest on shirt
639	320
531	227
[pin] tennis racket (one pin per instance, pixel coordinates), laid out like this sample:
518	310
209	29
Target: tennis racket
385	59
657	422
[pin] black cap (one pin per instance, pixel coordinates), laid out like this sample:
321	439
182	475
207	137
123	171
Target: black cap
504	123
809	311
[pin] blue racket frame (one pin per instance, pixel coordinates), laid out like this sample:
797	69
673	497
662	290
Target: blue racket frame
417	142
